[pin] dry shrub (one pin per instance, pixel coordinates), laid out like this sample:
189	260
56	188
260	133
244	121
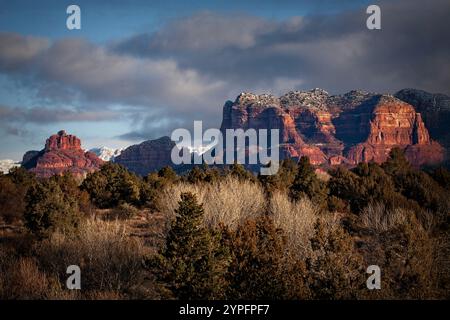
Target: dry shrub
23	280
322	175
442	264
297	219
335	270
103	295
110	261
123	211
377	217
259	267
229	201
11	201
380	218
411	260
401	242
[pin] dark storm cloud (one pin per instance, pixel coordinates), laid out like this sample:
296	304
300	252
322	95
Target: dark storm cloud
157	124
79	72
187	69
43	115
336	52
95	74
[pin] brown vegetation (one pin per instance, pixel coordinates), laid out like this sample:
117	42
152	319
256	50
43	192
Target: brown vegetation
227	234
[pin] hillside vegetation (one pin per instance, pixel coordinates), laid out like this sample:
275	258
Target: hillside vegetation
227	234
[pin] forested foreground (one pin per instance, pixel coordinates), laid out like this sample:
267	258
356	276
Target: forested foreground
223	233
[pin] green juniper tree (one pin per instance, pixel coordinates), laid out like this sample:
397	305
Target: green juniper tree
282	180
193	263
48	209
196	174
112	185
307	184
240	172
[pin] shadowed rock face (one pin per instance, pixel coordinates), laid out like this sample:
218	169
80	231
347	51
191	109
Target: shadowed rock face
148	156
435	110
62	153
350	128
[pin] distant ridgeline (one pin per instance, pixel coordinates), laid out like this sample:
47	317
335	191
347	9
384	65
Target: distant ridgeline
330	129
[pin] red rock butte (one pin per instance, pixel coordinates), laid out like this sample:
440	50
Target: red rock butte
336	129
62	141
62	153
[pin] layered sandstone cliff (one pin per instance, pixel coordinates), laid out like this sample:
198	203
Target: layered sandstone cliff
330	129
334	129
62	153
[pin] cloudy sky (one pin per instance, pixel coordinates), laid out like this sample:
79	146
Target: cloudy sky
139	69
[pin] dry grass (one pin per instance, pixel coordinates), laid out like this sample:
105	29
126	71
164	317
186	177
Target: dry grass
111	263
297	219
23	280
229	201
232	201
109	259
377	217
407	249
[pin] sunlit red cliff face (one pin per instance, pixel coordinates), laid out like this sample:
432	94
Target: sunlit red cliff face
342	129
62	152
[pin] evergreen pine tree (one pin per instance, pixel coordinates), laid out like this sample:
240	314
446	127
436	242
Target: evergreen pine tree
282	180
307	184
193	263
111	185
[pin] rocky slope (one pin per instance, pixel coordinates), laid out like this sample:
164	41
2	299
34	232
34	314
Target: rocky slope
62	153
334	129
148	156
